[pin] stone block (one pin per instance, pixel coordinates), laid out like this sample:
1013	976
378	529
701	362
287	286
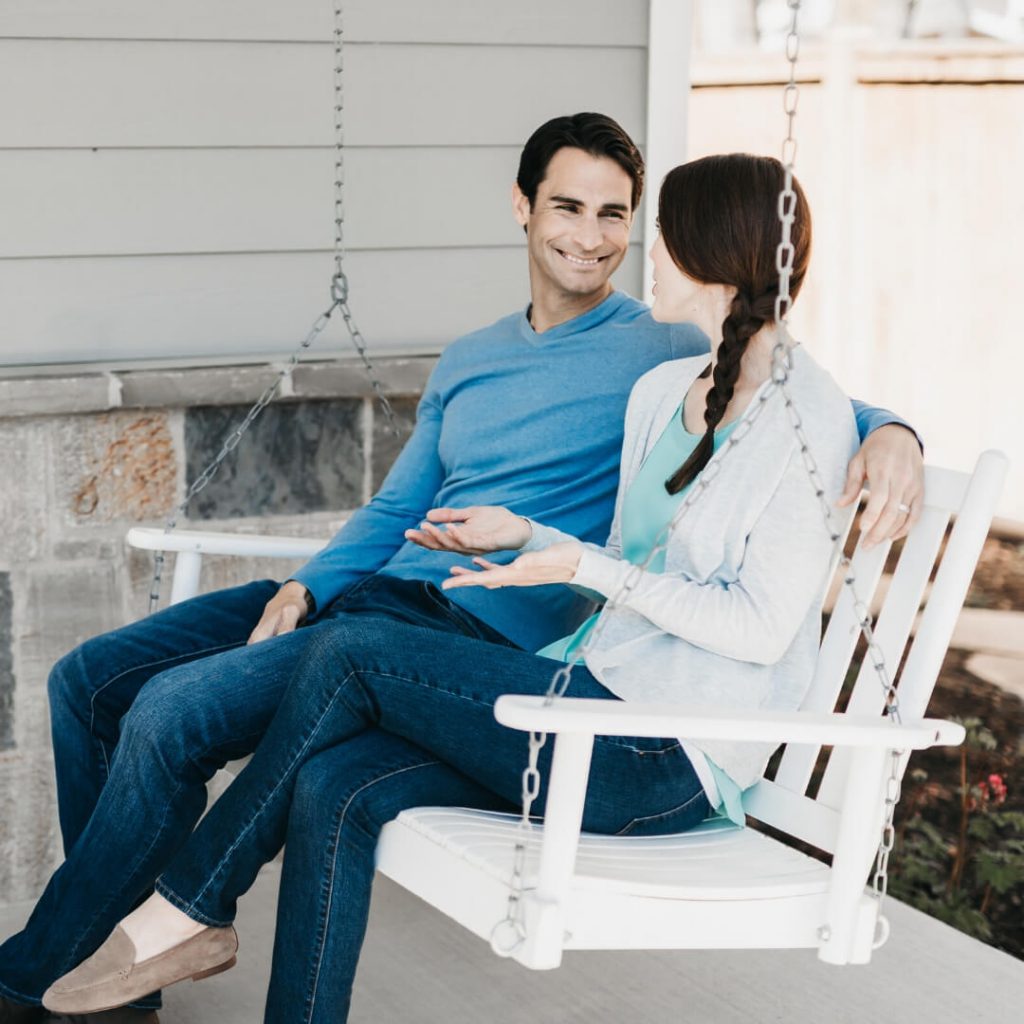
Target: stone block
6	664
24	495
297	457
47	395
386	443
115	467
60	607
188	386
29	833
105	546
397	376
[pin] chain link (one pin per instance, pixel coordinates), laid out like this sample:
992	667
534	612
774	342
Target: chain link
339	283
510	933
339	301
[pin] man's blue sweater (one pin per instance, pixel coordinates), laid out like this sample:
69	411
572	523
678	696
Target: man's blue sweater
530	421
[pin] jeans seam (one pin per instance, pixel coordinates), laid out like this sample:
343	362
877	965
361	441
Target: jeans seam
156	835
185	907
190	911
663	814
448	609
311	1004
72	958
16	996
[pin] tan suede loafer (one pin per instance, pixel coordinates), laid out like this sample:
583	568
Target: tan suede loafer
110	978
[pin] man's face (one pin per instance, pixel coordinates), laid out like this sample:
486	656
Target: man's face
578	228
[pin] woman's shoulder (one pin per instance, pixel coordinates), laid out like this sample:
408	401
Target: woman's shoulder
808	381
667	379
825	411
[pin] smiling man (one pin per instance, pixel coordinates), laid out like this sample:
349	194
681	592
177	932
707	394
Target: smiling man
528	413
577	218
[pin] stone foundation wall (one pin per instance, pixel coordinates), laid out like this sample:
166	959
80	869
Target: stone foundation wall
83	458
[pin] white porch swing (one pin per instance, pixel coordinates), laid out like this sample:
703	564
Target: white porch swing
535	890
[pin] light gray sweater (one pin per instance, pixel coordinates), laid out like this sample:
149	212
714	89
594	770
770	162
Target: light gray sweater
734	621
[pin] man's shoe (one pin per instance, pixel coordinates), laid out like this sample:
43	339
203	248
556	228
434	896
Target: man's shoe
110	977
122	1015
19	1013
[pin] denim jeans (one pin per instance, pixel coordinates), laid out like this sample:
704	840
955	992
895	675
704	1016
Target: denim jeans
380	716
142	718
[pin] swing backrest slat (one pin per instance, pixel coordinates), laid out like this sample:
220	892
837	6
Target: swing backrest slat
969	499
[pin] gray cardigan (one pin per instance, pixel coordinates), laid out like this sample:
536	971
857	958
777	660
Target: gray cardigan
734	621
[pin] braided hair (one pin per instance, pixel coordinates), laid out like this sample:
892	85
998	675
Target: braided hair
719	220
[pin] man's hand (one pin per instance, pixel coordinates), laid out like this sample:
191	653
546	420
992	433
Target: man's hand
890	461
284	611
472	531
555	564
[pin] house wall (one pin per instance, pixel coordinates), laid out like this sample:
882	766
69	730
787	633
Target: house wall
912	157
165	194
167	168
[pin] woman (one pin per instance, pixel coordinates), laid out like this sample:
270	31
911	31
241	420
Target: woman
727	614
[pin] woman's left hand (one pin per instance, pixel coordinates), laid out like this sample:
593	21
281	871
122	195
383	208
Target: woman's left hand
555	564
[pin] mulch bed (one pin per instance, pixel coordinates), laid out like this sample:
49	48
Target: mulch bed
937	799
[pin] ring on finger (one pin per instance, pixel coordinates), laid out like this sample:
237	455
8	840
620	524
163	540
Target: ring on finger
904	508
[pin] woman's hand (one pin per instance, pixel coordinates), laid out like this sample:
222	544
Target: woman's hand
472	531
556	564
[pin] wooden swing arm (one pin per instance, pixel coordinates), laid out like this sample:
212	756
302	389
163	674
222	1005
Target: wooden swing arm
189	547
617	718
852	834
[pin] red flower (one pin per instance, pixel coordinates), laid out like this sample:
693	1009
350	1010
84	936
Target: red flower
998	787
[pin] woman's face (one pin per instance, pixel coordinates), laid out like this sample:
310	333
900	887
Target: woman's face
677	297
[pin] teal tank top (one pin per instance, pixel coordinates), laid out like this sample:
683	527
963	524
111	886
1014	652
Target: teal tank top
647	508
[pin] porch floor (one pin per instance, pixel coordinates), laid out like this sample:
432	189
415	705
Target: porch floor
418	966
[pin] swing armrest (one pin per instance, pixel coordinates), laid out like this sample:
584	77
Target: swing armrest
209	543
617	718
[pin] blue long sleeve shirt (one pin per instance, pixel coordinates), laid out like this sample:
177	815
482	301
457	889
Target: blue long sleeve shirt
526	420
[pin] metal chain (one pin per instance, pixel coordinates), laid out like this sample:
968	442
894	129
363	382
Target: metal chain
339	301
339	283
510	933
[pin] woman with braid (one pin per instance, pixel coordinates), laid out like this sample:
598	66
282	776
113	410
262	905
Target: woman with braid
724	612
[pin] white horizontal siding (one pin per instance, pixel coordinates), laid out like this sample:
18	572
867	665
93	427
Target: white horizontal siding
166	169
104	93
81	203
156	307
563	22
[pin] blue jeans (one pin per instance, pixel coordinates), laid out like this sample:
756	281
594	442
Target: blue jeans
380	716
142	718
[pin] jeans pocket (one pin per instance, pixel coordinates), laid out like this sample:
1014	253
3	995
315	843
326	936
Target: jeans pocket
680	818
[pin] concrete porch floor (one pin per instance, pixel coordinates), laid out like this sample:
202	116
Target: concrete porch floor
419	967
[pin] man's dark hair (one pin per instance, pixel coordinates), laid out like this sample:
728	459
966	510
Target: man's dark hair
596	134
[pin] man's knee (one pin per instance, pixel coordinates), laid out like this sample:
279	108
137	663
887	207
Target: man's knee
69	687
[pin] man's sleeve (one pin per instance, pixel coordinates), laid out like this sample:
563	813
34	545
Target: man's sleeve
871	417
376	531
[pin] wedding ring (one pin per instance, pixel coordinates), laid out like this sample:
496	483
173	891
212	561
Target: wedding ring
903	508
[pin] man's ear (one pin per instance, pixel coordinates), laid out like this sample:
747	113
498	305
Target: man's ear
520	206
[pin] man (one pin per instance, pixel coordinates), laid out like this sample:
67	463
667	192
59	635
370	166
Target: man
526	413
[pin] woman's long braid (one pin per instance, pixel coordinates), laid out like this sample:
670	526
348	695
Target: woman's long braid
746	317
